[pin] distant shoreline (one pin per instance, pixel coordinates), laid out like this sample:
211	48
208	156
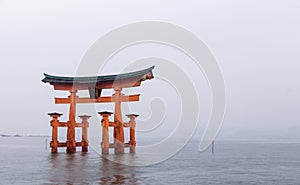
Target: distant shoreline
18	135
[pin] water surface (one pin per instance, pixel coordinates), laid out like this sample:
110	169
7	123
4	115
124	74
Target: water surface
24	160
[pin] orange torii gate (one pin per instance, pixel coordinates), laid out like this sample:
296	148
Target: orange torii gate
94	85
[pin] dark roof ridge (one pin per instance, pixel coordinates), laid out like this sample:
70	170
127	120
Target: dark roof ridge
90	79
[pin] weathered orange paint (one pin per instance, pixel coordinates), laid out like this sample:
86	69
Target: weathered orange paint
105	132
54	123
127	80
71	143
106	99
132	125
119	143
84	125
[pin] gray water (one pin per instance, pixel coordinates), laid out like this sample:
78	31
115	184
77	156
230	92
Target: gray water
24	160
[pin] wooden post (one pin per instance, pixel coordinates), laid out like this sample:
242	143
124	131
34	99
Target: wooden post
71	142
132	125
213	147
105	136
119	129
54	124
84	141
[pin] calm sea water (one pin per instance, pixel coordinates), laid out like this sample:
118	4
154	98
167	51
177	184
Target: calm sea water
24	160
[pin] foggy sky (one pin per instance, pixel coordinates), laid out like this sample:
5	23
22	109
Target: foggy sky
256	44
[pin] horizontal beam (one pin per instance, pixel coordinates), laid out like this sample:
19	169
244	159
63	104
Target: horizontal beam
65	124
135	97
112	124
101	85
107	99
126	124
64	144
61	144
112	145
62	124
79	125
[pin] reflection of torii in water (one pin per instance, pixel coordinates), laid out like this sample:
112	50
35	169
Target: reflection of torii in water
94	85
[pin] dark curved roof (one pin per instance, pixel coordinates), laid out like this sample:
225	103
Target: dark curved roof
92	79
136	115
105	112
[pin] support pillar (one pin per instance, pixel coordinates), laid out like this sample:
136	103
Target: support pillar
119	128
54	124
71	142
132	125
85	125
105	136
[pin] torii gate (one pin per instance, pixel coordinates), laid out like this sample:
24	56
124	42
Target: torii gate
94	85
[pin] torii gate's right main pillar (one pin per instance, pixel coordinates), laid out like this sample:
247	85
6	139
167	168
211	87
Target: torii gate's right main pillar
119	127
